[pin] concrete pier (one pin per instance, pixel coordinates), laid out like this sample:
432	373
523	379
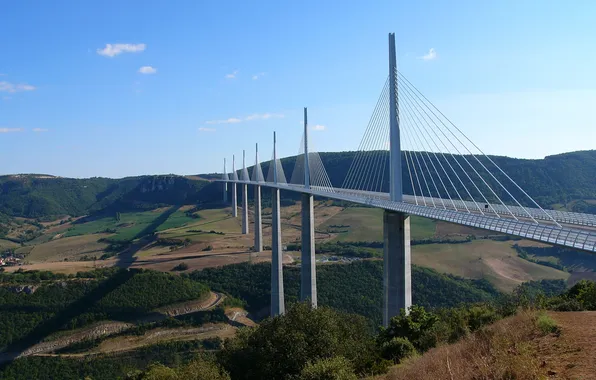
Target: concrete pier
277	276
308	272
234	200
397	277
244	209
258	221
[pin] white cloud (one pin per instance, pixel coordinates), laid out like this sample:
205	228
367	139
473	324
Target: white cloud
12	87
147	70
264	116
254	116
112	50
257	76
231	120
40	130
431	55
232	75
6	98
9	130
318	127
202	129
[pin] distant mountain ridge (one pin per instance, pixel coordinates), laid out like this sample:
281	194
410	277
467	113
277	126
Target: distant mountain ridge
567	180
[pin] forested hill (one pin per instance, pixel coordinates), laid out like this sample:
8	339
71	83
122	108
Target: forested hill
567	179
37	196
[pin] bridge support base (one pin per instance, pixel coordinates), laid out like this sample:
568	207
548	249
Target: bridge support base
234	200
258	221
308	272
397	282
245	209
225	192
277	276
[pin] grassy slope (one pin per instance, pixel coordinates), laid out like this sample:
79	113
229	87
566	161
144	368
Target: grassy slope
512	348
366	224
493	260
71	248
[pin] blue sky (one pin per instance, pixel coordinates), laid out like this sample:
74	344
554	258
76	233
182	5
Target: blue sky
118	88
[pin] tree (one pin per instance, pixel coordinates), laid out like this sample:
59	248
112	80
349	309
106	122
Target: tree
337	368
417	327
397	349
117	216
280	347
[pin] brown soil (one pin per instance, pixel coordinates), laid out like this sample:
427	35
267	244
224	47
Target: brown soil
572	355
236	314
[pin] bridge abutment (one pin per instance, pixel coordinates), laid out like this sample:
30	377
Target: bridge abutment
277	281
397	272
258	221
234	200
308	271
244	209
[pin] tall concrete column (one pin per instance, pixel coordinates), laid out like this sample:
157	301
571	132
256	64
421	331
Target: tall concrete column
397	277
258	221
308	272
277	276
225	184
234	200
234	189
244	209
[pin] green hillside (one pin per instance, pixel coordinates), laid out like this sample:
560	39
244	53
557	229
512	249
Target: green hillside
566	180
33	196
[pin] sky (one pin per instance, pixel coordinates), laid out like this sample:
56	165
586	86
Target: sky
121	88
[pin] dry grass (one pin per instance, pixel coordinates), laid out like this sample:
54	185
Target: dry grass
494	260
71	248
502	351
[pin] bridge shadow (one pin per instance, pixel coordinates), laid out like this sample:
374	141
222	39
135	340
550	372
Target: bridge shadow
146	236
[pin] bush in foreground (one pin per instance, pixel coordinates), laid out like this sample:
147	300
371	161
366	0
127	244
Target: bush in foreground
280	347
197	369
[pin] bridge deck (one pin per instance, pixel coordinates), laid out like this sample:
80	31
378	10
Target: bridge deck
578	230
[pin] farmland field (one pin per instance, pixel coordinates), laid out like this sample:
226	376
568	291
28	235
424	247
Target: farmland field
366	224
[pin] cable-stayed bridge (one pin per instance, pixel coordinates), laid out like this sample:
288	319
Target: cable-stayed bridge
412	160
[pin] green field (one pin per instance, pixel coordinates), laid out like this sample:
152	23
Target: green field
218	220
366	224
177	219
131	224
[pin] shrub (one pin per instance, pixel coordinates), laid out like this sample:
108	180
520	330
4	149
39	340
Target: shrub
417	327
546	324
397	349
337	368
181	267
564	304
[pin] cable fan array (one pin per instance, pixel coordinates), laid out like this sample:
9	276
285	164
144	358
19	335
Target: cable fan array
441	166
319	180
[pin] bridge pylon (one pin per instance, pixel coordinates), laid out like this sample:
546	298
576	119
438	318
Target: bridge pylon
277	274
244	196
308	270
234	189
397	288
257	195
